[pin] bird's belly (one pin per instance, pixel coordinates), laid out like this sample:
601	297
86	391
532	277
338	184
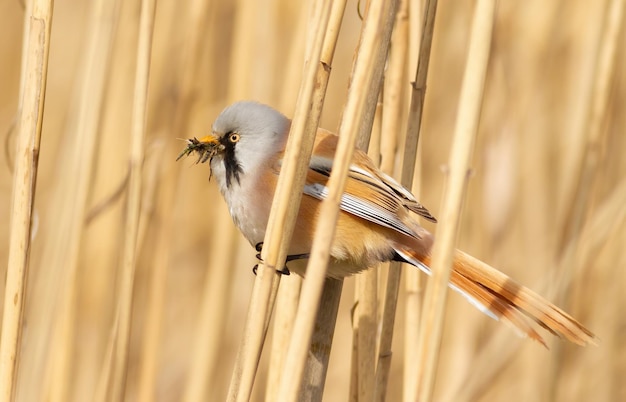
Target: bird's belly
356	246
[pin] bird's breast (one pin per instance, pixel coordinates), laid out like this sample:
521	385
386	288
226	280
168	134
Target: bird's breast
249	202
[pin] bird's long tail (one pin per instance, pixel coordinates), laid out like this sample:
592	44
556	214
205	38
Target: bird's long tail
503	299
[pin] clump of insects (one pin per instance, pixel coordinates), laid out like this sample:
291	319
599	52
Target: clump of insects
205	150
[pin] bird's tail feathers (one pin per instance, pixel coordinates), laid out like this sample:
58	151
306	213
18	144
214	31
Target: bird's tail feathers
503	299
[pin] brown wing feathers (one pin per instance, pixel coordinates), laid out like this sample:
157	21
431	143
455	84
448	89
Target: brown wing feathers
505	298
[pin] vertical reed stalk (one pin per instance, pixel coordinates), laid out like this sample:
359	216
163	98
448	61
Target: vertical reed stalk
282	216
365	326
32	95
416	109
351	125
284	316
419	92
366	311
316	366
443	248
196	17
289	292
212	312
412	303
150	351
394	111
581	193
133	211
384	27
84	126
367	307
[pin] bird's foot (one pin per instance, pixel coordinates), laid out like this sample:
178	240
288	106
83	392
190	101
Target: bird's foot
284	271
259	248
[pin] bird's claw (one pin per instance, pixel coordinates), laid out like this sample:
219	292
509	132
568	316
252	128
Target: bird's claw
284	271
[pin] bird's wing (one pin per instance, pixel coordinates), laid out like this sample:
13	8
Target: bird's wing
369	193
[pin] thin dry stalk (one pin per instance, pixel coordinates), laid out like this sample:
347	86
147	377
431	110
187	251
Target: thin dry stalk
303	36
396	80
443	248
394	111
416	108
284	316
282	216
581	195
32	95
196	19
413	303
318	357
365	310
196	14
316	366
95	73
367	307
254	50
133	211
28	11
289	292
413	280
366	334
419	92
213	310
597	231
384	27
242	56
376	138
351	125
365	325
353	395
157	284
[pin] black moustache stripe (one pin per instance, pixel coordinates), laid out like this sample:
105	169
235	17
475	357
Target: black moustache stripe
231	165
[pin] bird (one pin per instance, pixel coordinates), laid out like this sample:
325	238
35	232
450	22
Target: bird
377	220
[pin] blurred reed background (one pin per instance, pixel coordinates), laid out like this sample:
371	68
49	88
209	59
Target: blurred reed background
546	201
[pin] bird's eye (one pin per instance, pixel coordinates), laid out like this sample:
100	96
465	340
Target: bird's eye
234	137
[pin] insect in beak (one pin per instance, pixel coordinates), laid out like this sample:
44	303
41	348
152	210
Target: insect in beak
206	148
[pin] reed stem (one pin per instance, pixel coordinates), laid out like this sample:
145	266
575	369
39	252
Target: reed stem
466	127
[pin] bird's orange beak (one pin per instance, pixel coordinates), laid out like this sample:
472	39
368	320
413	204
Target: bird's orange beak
206	148
210	140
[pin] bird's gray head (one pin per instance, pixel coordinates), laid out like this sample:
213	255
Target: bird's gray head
250	133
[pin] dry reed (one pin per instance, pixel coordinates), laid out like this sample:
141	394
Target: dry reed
366	304
36	48
134	201
364	76
459	162
283	213
84	128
